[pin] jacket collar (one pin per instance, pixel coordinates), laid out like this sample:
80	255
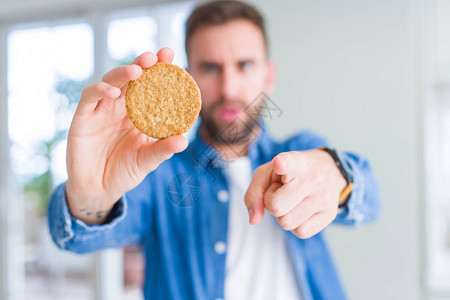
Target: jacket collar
207	156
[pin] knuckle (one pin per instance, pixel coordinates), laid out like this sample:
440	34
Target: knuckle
100	86
273	206
92	88
286	222
302	232
106	75
127	70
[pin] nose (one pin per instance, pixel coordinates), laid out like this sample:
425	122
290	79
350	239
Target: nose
230	84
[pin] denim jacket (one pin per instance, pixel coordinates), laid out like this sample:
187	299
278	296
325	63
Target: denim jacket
179	214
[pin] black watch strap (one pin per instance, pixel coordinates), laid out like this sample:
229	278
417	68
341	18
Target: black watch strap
347	176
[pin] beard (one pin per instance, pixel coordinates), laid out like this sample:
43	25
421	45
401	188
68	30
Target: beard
238	131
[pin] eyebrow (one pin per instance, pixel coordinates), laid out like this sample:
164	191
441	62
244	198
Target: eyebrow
209	63
248	60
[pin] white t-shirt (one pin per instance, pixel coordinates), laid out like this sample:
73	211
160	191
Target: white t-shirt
258	265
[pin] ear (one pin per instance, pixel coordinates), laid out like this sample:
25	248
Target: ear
270	77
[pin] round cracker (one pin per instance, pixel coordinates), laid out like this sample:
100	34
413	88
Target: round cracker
164	101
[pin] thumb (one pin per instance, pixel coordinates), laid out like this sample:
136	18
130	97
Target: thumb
284	165
153	154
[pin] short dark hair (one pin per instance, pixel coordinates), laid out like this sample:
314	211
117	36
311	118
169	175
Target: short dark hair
221	12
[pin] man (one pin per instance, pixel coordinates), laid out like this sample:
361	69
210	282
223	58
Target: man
187	205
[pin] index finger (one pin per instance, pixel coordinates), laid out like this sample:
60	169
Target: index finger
122	75
145	60
93	93
254	197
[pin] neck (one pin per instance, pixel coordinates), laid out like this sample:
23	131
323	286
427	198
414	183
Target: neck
230	151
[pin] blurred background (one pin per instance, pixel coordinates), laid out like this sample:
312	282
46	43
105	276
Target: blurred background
372	76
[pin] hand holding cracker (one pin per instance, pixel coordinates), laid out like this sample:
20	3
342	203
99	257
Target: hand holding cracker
106	155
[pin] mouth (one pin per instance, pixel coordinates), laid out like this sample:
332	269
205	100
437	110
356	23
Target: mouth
229	112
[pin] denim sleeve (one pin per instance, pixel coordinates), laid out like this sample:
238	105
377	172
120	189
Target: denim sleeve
363	204
124	226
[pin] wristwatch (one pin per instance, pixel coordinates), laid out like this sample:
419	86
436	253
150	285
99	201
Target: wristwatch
347	176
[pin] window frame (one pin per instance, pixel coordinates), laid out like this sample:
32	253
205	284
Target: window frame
436	87
12	267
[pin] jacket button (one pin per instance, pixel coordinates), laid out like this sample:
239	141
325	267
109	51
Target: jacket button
222	196
220	247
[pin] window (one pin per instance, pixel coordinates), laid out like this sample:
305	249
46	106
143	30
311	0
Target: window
128	37
437	150
48	66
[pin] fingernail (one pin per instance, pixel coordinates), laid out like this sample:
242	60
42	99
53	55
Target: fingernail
251	212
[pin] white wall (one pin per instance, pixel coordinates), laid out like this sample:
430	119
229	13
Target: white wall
349	70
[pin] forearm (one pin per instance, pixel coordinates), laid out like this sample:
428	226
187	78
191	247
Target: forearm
89	208
75	235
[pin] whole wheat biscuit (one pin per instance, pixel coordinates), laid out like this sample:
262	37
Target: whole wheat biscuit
164	101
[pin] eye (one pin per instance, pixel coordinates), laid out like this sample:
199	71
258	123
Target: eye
210	68
245	65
